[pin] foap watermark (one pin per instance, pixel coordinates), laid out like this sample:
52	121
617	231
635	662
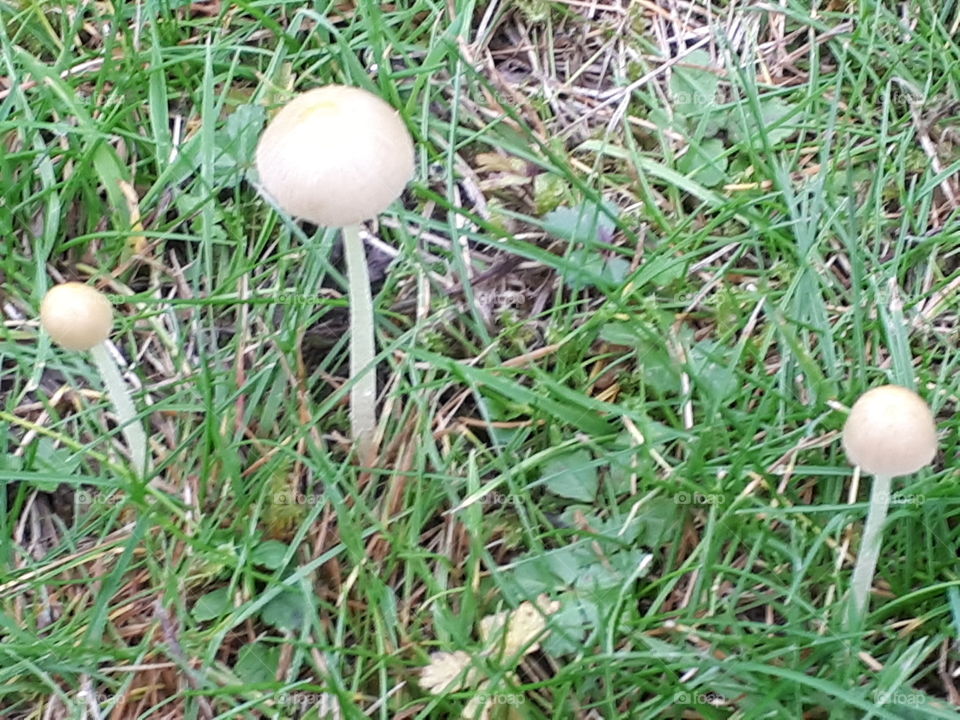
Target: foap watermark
698	498
95	497
305	700
513	699
497	498
504	298
694	99
296	498
699	698
899	697
534	93
297	299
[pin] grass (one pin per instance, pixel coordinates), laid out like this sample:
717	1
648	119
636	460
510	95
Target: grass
618	337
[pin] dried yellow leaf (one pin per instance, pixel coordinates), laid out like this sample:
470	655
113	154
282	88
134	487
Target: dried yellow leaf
511	632
479	707
491	703
448	672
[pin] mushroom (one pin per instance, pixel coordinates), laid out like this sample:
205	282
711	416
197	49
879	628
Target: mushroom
78	317
890	432
337	156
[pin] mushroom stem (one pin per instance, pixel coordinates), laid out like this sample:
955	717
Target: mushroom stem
363	372
130	425
866	565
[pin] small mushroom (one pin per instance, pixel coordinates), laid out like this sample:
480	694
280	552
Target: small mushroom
890	432
337	156
78	317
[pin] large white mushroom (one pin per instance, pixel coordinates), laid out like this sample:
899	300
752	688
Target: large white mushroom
335	156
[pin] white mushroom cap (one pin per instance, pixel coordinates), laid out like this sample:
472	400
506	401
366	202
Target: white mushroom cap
76	316
335	156
890	431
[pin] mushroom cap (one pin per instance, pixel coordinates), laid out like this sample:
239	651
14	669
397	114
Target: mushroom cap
890	431
76	316
335	156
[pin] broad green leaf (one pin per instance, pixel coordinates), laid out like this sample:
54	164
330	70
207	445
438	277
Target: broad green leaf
257	663
569	625
656	519
269	554
528	578
693	90
564	564
572	475
710	369
211	605
615	269
583	223
777	122
618	334
657	368
584	269
236	142
286	611
705	163
597	577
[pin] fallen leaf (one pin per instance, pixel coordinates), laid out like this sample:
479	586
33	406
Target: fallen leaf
489	703
448	672
512	630
480	706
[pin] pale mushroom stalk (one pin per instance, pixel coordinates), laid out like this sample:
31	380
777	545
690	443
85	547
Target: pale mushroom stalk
889	432
78	317
363	394
866	566
130	425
